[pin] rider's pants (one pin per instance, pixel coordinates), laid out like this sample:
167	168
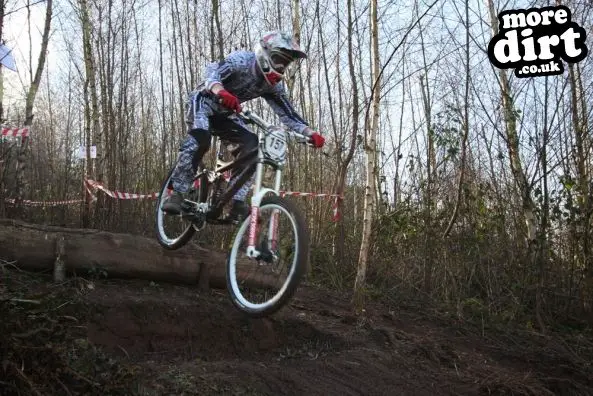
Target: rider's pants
204	118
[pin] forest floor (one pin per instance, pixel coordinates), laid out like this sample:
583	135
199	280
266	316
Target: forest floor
109	337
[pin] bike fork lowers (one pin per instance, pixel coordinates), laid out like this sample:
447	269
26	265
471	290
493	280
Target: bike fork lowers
252	252
273	229
258	194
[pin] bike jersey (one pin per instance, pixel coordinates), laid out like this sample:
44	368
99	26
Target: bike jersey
239	75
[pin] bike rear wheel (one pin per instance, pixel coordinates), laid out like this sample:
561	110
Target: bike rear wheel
277	219
181	229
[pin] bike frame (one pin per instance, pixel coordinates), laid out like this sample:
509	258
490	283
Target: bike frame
257	158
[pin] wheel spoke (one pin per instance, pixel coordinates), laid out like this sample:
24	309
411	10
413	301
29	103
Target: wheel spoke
262	286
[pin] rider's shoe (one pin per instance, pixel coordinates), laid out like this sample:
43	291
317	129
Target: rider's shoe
239	211
173	204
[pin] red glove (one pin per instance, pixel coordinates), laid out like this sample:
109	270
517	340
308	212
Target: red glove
229	100
317	140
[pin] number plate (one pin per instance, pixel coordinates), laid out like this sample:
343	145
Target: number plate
275	144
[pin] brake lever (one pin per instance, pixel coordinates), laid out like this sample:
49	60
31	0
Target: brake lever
322	152
308	142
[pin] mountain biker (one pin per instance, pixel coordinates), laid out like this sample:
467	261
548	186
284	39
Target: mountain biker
242	76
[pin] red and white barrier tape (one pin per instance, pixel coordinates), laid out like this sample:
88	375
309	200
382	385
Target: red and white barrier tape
94	185
15	132
336	197
305	194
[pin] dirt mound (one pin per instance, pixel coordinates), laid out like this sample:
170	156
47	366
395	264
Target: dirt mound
165	324
139	338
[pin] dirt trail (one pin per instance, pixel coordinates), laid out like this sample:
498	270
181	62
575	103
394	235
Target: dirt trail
166	339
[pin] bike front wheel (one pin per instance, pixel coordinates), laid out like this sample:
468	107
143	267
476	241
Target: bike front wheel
283	241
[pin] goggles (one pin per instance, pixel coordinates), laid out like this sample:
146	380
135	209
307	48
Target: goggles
280	60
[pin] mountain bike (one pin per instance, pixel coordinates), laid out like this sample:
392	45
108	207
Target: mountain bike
258	242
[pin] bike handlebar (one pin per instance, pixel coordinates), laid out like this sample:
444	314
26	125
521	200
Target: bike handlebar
249	115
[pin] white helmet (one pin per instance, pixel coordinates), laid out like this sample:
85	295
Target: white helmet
274	52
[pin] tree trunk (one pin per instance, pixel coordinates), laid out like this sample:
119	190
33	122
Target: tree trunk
370	151
296	20
296	34
2	153
164	134
581	155
220	42
533	237
91	112
428	211
31	94
465	127
2	7
343	166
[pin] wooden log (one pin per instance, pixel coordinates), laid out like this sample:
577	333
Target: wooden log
34	246
76	251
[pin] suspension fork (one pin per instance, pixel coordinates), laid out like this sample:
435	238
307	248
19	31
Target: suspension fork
273	228
258	192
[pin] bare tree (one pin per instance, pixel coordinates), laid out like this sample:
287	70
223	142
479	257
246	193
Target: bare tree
30	101
91	108
370	151
2	10
465	125
510	115
220	39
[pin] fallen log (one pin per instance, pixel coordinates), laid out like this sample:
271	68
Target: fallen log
39	247
62	250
